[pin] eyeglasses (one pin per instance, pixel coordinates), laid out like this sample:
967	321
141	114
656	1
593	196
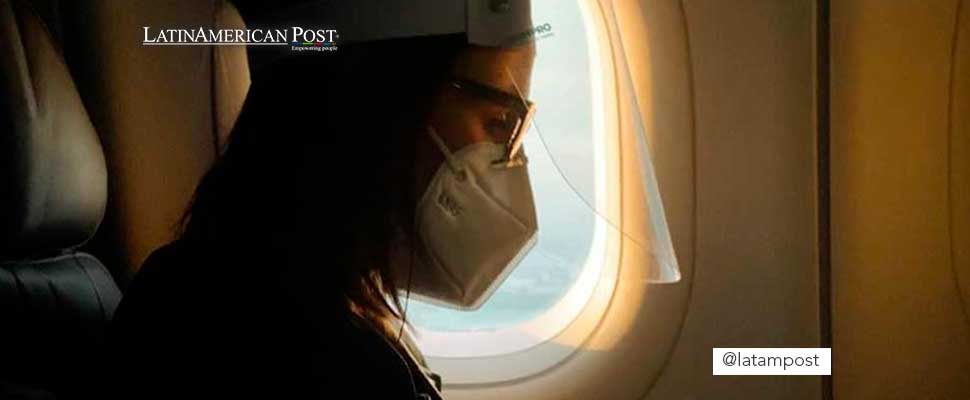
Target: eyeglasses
521	110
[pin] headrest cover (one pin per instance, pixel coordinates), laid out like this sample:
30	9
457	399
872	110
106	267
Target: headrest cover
494	23
53	183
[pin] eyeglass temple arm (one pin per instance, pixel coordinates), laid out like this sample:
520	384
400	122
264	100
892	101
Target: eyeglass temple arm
521	126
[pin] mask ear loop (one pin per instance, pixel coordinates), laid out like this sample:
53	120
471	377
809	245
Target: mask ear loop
407	293
453	164
456	168
414	236
404	312
449	156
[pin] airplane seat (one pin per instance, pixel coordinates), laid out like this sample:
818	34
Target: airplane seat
163	113
55	302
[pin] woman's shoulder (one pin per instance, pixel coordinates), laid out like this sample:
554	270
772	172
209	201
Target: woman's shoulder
159	271
166	258
179	264
163	282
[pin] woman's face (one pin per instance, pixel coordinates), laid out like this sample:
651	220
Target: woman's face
462	119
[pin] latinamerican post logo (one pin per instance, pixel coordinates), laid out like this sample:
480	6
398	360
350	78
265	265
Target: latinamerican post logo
297	38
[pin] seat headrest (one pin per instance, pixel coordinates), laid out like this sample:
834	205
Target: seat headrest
53	180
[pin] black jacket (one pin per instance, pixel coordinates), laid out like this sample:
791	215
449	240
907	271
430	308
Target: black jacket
192	326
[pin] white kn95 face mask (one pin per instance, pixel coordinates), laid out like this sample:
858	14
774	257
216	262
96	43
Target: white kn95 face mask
476	221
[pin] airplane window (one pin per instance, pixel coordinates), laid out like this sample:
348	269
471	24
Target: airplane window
562	88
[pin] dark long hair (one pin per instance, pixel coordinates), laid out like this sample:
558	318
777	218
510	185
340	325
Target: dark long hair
316	181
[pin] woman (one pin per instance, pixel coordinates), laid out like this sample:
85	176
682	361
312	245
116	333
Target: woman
285	279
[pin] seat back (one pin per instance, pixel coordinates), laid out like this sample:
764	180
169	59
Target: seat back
55	302
162	112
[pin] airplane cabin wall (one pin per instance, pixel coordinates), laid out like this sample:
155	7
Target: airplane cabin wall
755	261
900	176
